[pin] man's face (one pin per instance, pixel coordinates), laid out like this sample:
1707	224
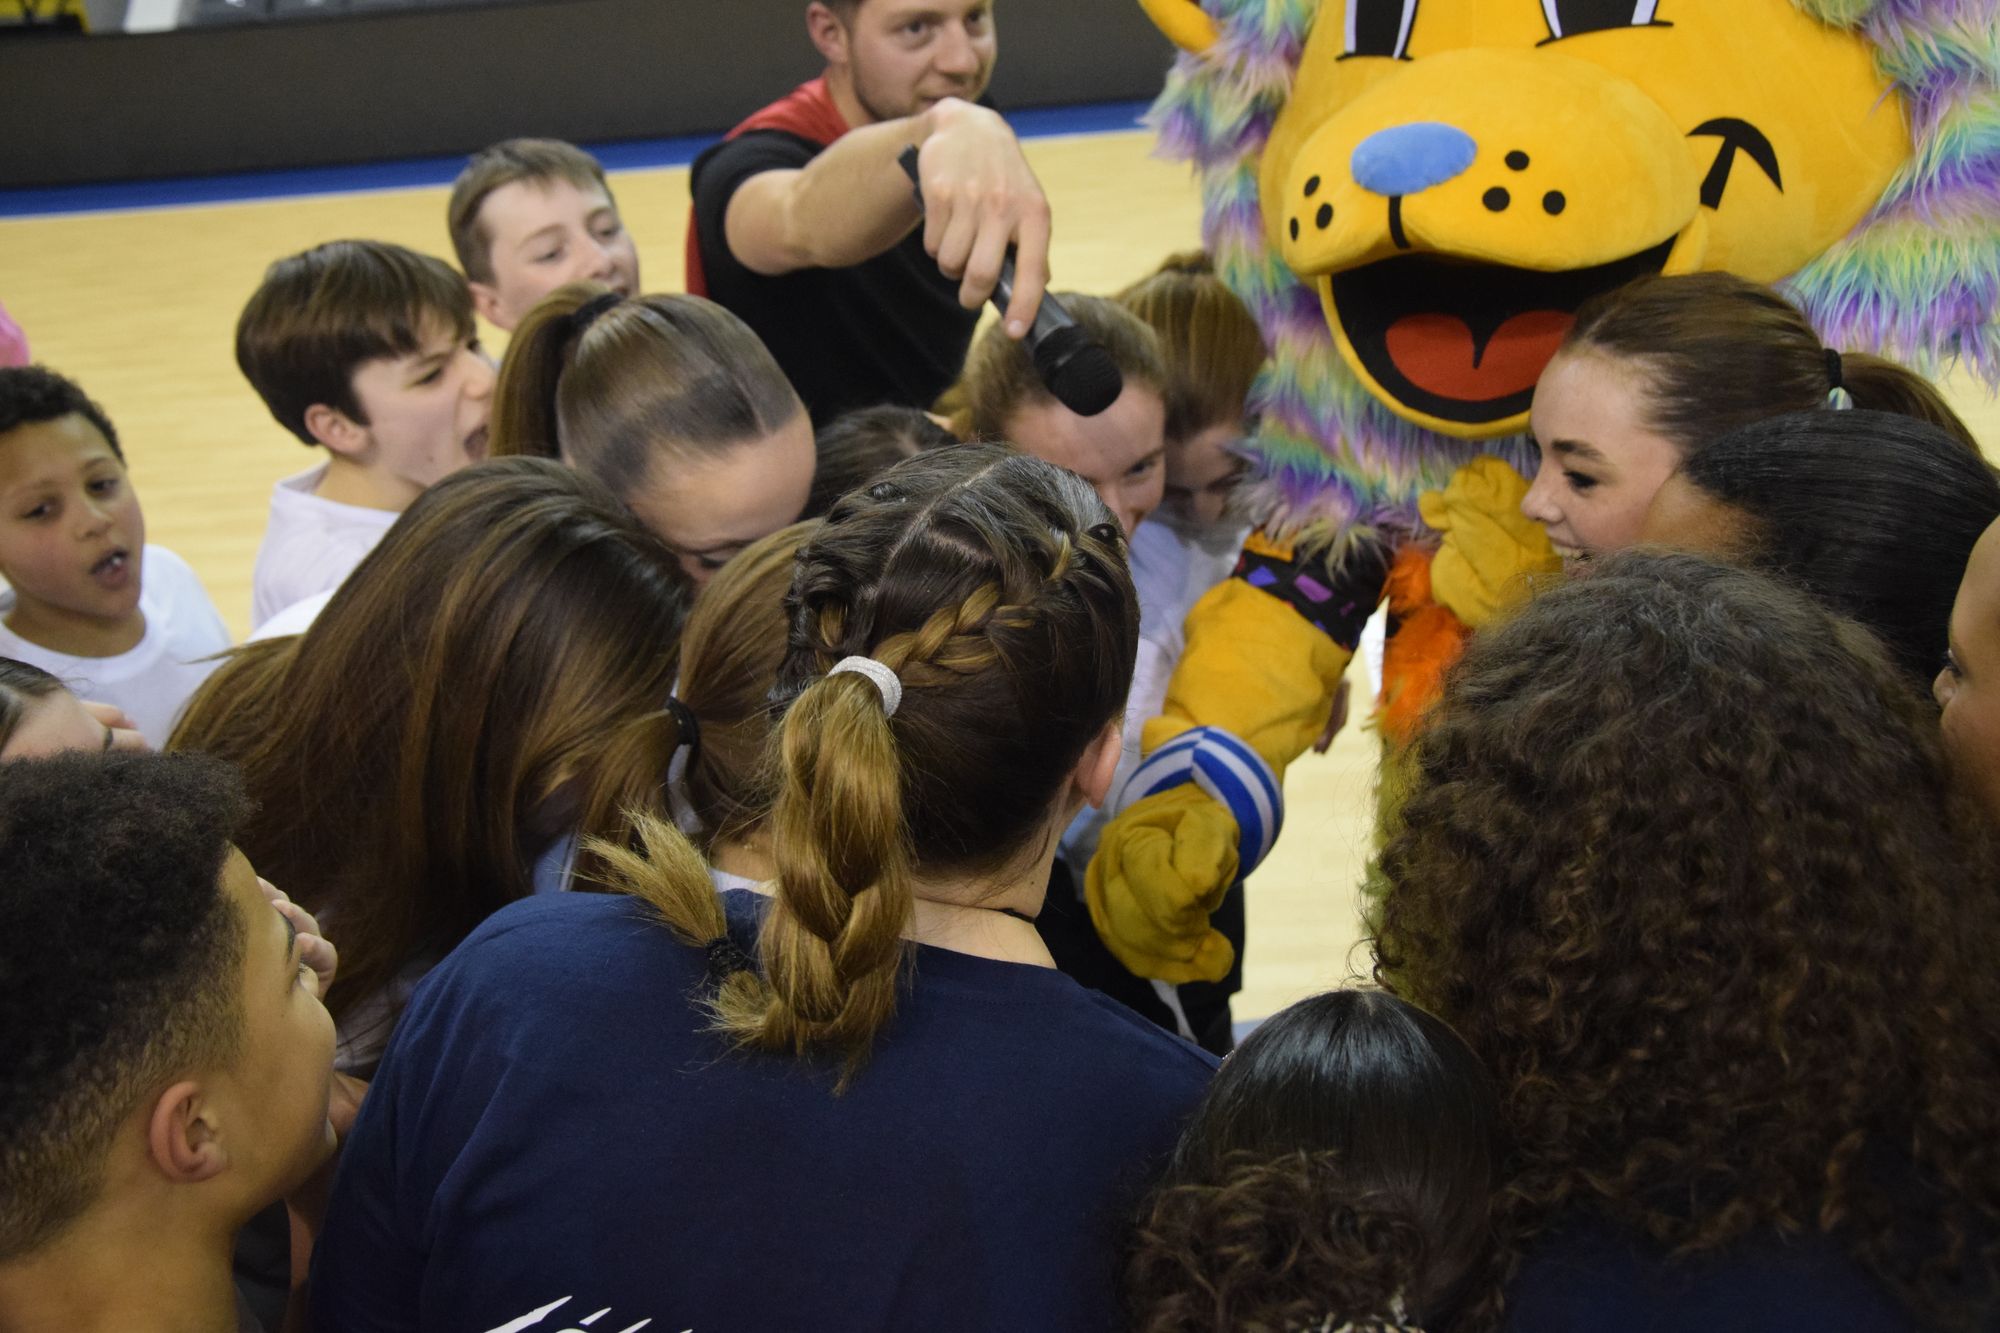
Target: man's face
279	1085
547	233
426	412
1120	451
905	55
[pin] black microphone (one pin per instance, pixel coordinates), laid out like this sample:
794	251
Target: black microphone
1071	364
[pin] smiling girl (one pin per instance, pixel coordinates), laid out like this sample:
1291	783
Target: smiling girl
1653	372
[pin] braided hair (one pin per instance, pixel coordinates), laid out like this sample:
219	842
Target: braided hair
995	587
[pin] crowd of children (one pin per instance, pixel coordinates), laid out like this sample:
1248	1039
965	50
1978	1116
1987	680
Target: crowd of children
700	810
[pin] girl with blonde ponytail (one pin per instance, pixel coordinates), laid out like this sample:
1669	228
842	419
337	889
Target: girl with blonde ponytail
864	1100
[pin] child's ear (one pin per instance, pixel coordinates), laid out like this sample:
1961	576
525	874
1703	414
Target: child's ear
336	430
182	1137
1099	764
486	300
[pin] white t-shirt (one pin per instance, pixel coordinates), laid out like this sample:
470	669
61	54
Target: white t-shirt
1172	567
310	545
294	619
153	681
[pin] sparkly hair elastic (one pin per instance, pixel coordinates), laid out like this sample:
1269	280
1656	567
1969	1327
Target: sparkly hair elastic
725	960
879	672
1833	370
586	314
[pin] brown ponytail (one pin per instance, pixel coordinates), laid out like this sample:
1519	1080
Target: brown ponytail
1722	352
994	586
643	376
524	398
1881	385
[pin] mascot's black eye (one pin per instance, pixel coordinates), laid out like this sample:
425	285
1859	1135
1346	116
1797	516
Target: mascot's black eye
1569	18
1379	27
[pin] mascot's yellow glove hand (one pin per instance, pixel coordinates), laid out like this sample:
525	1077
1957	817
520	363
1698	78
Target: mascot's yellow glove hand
1158	874
1265	653
1490	551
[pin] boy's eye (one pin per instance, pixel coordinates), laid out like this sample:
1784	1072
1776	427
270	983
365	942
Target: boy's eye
1952	668
104	486
1143	466
42	510
549	256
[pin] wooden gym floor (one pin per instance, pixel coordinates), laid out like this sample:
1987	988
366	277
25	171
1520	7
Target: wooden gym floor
140	307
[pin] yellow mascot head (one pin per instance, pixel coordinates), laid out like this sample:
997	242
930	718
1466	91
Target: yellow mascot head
1438	184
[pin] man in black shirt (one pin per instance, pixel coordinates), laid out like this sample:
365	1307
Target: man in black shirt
805	226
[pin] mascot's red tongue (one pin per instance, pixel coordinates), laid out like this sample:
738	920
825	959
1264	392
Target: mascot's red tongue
1437	354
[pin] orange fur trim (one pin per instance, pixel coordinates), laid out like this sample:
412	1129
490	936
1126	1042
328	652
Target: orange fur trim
1428	640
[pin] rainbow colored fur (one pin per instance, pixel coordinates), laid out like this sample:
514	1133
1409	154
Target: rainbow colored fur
1918	278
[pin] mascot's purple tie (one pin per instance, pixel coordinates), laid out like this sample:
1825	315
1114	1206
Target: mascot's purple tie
1405	159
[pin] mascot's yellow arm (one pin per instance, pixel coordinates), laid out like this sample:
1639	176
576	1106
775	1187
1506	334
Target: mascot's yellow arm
1256	668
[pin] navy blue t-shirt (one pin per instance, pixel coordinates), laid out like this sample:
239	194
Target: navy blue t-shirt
554	1135
1591	1277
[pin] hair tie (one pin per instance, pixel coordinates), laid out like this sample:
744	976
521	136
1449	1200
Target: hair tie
879	672
688	725
725	960
586	314
1833	370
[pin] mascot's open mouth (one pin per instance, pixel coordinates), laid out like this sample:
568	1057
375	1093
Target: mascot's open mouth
1464	341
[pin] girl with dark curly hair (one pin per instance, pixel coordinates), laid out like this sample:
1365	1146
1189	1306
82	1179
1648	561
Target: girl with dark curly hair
1682	863
1337	1174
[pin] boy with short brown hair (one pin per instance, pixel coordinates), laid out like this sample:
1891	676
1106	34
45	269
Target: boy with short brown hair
369	351
530	215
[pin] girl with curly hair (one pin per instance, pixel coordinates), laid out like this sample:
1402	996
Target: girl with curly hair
1682	863
1337	1174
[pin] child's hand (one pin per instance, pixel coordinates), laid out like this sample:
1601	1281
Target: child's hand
124	731
315	950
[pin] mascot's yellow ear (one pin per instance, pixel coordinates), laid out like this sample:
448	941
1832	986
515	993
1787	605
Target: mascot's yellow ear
1184	23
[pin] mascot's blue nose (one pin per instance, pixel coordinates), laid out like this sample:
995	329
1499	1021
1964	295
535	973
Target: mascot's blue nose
1404	159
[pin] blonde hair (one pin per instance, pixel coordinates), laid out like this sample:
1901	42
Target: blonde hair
999	377
730	654
643	377
994	586
1212	346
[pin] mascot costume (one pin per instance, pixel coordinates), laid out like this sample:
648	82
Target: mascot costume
1413	197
